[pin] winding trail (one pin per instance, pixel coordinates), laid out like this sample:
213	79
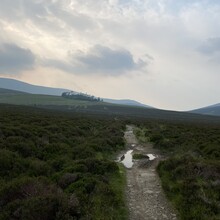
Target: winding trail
146	199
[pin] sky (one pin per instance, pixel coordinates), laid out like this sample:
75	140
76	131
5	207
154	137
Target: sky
164	53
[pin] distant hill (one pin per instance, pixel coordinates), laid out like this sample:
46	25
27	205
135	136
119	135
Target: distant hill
13	84
8	96
126	102
10	92
58	103
17	85
209	110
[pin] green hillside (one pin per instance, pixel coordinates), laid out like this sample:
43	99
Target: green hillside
101	108
10	92
21	98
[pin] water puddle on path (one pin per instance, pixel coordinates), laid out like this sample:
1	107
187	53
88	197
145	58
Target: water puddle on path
126	159
151	156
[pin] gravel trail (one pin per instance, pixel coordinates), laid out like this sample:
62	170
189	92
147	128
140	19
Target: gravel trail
145	196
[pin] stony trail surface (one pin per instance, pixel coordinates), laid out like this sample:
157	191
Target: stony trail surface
145	196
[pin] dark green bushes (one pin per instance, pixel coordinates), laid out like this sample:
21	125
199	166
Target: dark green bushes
54	166
190	176
192	186
139	156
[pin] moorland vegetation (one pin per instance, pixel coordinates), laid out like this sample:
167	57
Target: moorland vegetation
58	166
190	174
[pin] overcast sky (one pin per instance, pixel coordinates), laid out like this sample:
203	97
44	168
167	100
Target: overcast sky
164	53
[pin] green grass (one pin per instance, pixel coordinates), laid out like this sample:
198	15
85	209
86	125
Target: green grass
118	183
127	112
35	100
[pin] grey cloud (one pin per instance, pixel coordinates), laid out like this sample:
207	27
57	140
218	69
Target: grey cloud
59	64
100	60
14	59
210	46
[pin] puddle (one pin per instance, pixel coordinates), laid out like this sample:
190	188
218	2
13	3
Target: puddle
127	160
151	156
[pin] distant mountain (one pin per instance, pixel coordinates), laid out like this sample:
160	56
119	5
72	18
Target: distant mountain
59	103
13	84
10	92
209	110
126	102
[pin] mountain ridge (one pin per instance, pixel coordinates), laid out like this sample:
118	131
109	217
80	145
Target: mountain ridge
17	85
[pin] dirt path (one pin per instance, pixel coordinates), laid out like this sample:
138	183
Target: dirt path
145	196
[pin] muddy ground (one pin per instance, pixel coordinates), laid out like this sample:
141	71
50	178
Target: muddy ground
145	197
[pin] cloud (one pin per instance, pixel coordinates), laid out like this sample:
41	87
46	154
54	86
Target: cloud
210	46
116	38
100	60
14	59
49	14
22	9
105	59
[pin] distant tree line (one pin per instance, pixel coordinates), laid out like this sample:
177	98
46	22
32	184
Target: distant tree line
81	96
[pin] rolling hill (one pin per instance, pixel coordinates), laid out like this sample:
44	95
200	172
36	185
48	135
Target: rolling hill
209	110
13	84
67	106
17	85
126	102
13	97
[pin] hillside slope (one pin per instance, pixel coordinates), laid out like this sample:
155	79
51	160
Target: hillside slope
13	84
126	102
13	97
209	110
96	108
17	85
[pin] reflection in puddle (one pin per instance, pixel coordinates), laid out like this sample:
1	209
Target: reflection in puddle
151	156
127	159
